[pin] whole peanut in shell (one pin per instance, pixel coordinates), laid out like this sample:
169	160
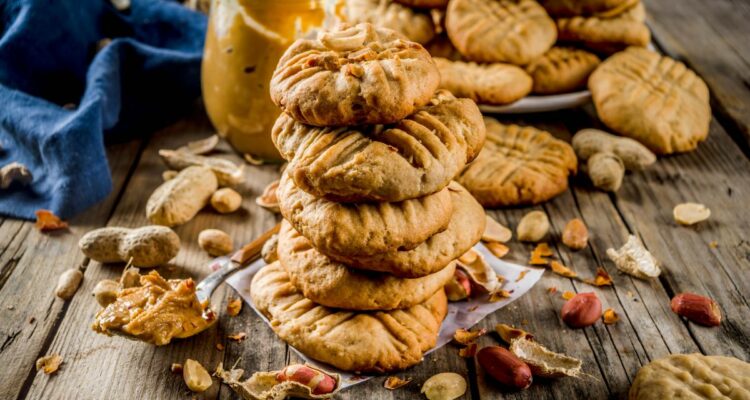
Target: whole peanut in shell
148	246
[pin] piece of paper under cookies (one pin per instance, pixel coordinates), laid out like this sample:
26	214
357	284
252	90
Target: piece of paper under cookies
463	314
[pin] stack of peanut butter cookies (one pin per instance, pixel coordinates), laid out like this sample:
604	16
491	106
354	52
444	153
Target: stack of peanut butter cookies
373	220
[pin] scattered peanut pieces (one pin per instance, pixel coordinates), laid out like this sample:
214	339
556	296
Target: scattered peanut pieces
499	250
469	351
567	295
508	333
469	257
47	221
610	316
495	231
200	147
464	336
394	382
562	270
575	235
269	200
195	375
499	295
237	337
544	362
444	386
533	227
539	253
219	347
176	368
552	290
602	278
49	364
690	213
234	307
252	160
522	275
714	244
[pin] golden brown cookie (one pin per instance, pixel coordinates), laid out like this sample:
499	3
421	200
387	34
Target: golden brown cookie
519	166
364	228
411	158
334	284
495	83
653	99
607	35
561	70
414	25
424	3
692	376
353	75
514	31
571	8
358	341
464	230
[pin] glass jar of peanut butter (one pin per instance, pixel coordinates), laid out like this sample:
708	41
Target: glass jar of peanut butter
244	42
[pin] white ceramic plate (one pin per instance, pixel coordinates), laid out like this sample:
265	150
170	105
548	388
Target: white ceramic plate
535	104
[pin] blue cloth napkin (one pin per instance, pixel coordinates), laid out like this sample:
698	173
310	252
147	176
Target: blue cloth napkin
146	77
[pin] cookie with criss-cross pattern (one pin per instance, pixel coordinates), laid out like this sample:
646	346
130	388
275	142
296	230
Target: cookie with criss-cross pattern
514	31
694	377
464	231
571	8
414	157
353	75
562	70
519	166
334	284
414	25
357	341
653	99
606	35
495	83
364	228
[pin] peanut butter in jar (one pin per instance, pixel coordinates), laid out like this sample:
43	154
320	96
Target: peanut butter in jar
244	41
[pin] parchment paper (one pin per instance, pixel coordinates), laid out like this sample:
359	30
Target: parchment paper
463	314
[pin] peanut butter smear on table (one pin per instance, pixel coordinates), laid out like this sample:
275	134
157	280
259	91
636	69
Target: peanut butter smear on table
156	311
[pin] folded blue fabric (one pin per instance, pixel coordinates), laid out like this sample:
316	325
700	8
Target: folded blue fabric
146	77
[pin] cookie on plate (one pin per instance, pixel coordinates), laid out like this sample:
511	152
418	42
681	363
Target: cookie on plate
366	342
607	35
692	376
334	284
495	83
464	230
653	99
519	166
513	31
424	3
414	25
353	75
364	228
561	70
411	158
571	8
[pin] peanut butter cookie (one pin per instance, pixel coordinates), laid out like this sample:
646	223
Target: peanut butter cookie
562	70
414	25
519	166
353	75
464	230
367	342
411	158
495	83
571	8
514	31
334	284
653	99
692	376
607	35
364	228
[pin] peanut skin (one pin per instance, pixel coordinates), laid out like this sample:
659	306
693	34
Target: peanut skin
575	235
505	367
307	376
583	310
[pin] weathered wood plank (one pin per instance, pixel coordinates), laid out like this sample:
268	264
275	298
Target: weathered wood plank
711	37
114	367
30	263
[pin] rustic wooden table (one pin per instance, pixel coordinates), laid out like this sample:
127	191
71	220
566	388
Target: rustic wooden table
711	259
